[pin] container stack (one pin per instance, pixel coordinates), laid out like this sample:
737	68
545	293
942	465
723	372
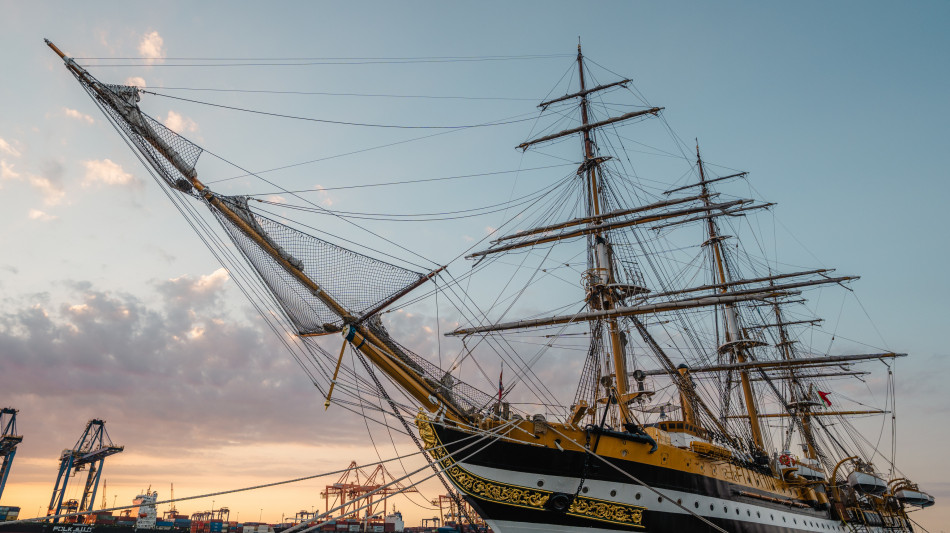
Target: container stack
8	513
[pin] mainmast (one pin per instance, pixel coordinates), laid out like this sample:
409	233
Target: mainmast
599	296
735	341
802	404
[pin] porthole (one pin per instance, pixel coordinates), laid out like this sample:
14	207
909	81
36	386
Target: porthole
585	490
711	507
696	504
725	509
758	514
748	512
659	500
637	496
613	493
540	483
679	501
737	510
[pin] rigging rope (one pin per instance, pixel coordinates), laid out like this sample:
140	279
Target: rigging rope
338	122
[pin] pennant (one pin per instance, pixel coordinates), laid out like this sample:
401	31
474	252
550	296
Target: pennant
824	397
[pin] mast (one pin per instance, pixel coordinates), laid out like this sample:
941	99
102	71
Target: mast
733	335
600	297
803	405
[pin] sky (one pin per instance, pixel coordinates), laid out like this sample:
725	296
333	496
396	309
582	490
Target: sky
111	308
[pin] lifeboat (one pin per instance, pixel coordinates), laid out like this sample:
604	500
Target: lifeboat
914	497
867	483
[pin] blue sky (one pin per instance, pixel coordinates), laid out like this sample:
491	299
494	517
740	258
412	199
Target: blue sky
838	110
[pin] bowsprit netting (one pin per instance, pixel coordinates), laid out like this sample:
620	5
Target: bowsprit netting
357	282
152	139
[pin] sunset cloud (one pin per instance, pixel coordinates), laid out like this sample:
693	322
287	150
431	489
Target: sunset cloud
105	172
325	198
7	172
135	81
36	214
72	113
180	124
9	148
152	47
49	182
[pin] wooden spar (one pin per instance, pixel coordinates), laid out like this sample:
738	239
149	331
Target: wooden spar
690	186
742	282
799	362
583	92
730	212
587	127
688	303
336	373
595	219
816	413
809	376
376	350
605	227
783	324
675	305
386	303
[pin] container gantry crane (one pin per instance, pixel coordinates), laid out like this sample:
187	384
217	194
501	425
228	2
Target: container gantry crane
8	443
90	450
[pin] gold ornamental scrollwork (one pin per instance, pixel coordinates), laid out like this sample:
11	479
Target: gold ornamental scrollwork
503	493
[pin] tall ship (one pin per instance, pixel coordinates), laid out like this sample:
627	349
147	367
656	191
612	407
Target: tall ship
699	404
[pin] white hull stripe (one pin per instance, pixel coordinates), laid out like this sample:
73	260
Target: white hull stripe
631	494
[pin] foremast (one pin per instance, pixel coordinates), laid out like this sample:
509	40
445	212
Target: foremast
604	274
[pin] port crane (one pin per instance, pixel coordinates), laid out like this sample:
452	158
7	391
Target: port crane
8	443
453	509
353	484
90	450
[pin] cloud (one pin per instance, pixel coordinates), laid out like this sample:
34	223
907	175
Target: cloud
8	148
36	214
152	47
49	182
72	113
276	199
105	172
325	198
179	371
203	293
136	81
7	172
180	124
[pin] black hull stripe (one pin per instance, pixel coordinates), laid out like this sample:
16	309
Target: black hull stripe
515	457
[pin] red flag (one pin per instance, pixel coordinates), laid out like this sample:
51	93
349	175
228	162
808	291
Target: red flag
501	387
824	396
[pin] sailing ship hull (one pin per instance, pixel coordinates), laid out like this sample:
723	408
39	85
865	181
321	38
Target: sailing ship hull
521	488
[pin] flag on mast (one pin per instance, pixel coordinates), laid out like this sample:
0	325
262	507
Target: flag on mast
824	397
501	386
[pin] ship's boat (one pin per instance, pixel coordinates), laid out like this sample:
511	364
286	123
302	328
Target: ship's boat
914	497
867	483
669	310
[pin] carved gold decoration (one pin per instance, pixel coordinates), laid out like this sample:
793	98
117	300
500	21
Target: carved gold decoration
607	511
503	493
